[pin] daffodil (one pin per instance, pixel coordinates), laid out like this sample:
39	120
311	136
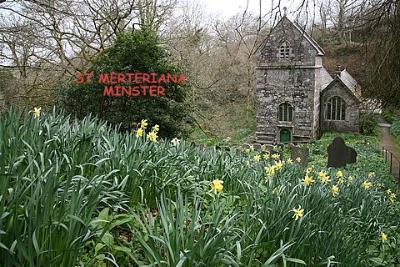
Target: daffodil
309	169
266	156
339	173
289	161
139	132
308	180
383	237
263	147
278	165
217	186
392	197
143	124
366	185
298	159
298	213
371	174
324	177
270	170
36	112
335	190
156	128
257	157
175	141
152	136
275	156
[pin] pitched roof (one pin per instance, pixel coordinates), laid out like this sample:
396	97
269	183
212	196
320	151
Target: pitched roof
350	82
313	43
339	80
326	79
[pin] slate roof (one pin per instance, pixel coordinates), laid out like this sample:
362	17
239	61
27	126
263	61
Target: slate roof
326	78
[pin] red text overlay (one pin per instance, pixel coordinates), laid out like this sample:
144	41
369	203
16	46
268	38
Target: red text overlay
132	83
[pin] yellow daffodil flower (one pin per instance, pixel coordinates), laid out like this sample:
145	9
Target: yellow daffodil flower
383	237
366	185
392	197
152	136
308	180
371	174
139	132
36	112
263	147
217	186
341	180
275	156
289	161
270	170
339	173
278	165
257	157
266	156
309	170
298	213
143	124
298	159
324	177
156	128
335	190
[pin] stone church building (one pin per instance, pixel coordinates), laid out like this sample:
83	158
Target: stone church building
296	98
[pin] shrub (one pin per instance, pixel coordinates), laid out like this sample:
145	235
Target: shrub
368	123
137	51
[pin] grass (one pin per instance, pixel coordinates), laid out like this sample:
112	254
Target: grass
78	193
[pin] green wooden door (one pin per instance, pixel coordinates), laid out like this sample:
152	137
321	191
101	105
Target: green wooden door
285	136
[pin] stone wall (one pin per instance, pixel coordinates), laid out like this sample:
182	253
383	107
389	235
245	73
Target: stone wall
352	114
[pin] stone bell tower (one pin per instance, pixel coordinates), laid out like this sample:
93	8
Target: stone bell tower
289	66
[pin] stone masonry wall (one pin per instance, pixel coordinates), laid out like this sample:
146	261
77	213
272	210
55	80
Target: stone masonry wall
290	80
352	118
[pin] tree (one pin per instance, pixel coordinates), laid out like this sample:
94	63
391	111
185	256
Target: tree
137	51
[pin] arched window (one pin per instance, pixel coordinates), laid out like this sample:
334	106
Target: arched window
284	51
335	109
285	112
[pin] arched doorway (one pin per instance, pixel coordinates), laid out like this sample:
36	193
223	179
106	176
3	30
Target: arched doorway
285	136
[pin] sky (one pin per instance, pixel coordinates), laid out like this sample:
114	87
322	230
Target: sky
228	8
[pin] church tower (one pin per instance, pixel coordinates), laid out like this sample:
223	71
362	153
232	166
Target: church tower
289	79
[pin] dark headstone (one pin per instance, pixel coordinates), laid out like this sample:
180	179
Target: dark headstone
351	155
339	154
299	152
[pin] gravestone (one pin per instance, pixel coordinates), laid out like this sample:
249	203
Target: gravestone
352	155
299	152
339	154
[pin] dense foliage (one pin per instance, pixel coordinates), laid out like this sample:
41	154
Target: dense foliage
368	123
137	51
78	192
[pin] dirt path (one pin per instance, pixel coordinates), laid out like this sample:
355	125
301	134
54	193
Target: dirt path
387	142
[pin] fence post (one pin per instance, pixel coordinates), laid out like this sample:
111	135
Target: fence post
391	162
